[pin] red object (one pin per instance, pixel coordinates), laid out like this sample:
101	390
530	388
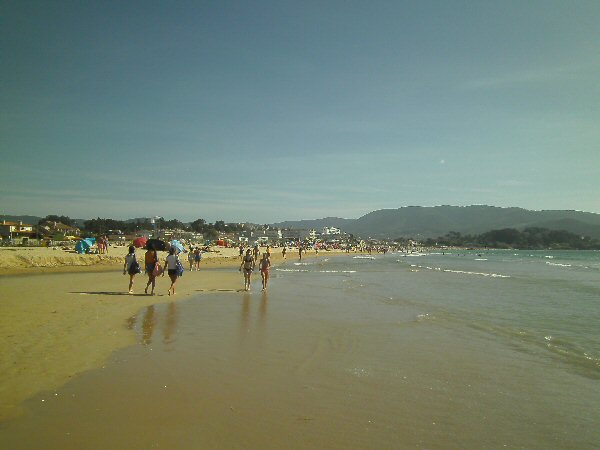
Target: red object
140	242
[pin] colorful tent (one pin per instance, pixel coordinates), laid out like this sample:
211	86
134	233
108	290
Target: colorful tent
84	245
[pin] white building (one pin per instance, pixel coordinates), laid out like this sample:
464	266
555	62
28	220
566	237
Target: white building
331	230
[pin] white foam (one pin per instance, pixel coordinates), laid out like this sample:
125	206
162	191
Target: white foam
363	257
337	271
292	270
318	271
558	264
483	274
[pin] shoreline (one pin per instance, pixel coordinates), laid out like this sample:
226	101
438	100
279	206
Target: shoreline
59	322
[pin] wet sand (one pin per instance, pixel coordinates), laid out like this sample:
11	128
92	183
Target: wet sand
57	325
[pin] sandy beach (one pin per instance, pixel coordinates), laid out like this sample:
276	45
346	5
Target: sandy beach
62	313
35	260
342	351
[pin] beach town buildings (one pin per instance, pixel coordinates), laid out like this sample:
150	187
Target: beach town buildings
53	229
16	232
328	231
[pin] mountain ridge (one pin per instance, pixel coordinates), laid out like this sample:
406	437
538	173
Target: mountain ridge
434	221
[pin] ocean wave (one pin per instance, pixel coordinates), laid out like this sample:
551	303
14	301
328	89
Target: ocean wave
315	271
558	264
465	272
292	270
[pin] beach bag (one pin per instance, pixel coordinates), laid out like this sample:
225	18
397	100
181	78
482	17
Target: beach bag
157	270
134	267
179	268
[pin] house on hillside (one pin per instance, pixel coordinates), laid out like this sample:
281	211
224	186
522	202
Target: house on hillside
331	230
16	232
52	228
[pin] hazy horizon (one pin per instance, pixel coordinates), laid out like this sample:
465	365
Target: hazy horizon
271	111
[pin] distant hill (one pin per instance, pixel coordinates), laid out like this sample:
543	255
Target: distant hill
424	222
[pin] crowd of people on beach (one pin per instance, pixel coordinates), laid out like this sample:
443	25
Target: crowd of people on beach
173	267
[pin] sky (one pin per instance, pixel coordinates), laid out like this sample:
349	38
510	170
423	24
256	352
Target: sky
265	111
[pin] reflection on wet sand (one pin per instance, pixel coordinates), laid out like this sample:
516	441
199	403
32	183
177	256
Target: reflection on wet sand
148	325
150	320
170	323
245	326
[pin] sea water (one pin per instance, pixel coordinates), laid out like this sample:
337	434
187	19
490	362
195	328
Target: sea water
437	350
540	301
525	323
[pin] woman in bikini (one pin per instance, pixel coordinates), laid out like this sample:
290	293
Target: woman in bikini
248	266
265	263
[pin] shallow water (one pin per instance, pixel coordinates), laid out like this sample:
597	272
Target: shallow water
433	351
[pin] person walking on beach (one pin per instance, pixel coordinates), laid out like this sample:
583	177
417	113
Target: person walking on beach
255	251
248	266
171	265
283	252
131	266
197	257
191	258
151	261
265	263
300	252
241	252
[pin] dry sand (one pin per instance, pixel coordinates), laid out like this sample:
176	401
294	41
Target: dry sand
27	260
56	325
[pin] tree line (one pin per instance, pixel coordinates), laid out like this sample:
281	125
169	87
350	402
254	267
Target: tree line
103	225
529	239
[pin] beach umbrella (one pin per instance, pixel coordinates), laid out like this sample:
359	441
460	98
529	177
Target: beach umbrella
84	245
140	242
178	245
157	244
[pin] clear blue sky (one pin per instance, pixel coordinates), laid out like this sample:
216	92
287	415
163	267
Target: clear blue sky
271	110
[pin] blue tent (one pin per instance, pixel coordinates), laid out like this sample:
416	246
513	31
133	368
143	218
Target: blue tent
83	245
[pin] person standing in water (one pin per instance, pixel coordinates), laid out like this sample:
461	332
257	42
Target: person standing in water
248	266
265	263
131	266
